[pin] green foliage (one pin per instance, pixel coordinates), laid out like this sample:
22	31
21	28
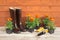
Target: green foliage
46	21
9	25
30	25
49	24
37	21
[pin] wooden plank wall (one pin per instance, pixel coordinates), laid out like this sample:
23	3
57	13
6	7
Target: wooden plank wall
41	7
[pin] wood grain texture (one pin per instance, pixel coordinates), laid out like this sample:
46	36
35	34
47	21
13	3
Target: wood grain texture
41	7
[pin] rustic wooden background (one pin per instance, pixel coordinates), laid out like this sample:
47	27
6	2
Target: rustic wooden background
51	7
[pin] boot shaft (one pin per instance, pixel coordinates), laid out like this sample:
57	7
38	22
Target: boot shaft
12	15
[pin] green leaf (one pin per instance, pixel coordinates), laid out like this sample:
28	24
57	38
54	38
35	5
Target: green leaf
9	25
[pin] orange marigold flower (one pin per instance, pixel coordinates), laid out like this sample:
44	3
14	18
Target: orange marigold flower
52	19
9	19
31	19
28	15
37	16
46	15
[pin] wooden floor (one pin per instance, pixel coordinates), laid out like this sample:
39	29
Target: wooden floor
29	36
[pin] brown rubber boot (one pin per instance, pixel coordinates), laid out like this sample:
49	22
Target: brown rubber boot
18	19
12	11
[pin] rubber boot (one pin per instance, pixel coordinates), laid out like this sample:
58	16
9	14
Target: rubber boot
12	13
18	19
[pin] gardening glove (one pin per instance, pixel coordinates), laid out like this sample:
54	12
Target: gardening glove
40	29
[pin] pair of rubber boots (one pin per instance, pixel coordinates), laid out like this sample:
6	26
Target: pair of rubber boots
15	14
